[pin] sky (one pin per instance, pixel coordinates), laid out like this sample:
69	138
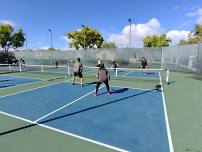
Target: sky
175	18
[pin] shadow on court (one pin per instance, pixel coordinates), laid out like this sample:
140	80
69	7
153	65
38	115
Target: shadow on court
6	86
82	110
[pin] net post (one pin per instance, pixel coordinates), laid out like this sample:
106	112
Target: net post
167	76
116	72
9	66
68	71
20	67
162	57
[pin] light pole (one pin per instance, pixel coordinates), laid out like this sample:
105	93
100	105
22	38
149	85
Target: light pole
25	40
84	37
49	30
129	20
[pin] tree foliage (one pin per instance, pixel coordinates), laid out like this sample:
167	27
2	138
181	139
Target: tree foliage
9	38
108	45
157	41
85	38
194	37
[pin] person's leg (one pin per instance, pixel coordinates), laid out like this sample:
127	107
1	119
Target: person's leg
81	79
97	86
74	78
107	85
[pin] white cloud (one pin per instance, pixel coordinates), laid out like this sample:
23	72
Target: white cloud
44	47
65	38
176	36
7	22
199	20
197	13
138	33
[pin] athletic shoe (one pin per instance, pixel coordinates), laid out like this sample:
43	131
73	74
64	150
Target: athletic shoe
95	94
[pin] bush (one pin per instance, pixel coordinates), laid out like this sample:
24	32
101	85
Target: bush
6	57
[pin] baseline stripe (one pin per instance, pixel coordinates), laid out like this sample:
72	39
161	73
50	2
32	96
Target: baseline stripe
64	132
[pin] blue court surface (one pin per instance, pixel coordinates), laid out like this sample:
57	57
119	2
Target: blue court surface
130	119
136	74
10	81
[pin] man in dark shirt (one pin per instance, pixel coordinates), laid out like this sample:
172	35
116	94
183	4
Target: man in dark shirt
143	63
102	77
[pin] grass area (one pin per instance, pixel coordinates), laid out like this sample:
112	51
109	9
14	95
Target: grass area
39	139
183	100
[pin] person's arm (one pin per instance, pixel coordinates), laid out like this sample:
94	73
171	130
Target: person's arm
81	67
97	76
108	75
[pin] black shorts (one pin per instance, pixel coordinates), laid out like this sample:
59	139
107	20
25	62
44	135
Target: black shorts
79	74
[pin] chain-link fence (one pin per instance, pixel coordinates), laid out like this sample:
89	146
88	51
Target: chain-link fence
124	57
187	58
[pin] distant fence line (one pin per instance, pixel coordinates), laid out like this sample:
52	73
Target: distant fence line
186	58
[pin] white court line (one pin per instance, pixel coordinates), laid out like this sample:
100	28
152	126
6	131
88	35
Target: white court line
19	85
66	105
166	118
140	77
33	89
132	88
127	73
16	76
67	133
117	86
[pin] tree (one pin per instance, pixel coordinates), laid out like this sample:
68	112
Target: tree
194	37
9	38
157	41
85	38
198	30
108	45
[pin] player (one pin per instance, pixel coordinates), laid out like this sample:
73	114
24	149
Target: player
56	64
102	77
114	65
98	62
15	63
22	63
143	63
78	67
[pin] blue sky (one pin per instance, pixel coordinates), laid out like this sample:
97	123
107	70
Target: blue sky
175	18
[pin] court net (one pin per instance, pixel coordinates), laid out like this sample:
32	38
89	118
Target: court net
40	71
120	74
128	74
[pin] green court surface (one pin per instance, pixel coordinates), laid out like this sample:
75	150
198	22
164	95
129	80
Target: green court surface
183	103
37	139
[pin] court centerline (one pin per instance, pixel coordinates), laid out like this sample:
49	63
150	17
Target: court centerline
127	73
66	105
